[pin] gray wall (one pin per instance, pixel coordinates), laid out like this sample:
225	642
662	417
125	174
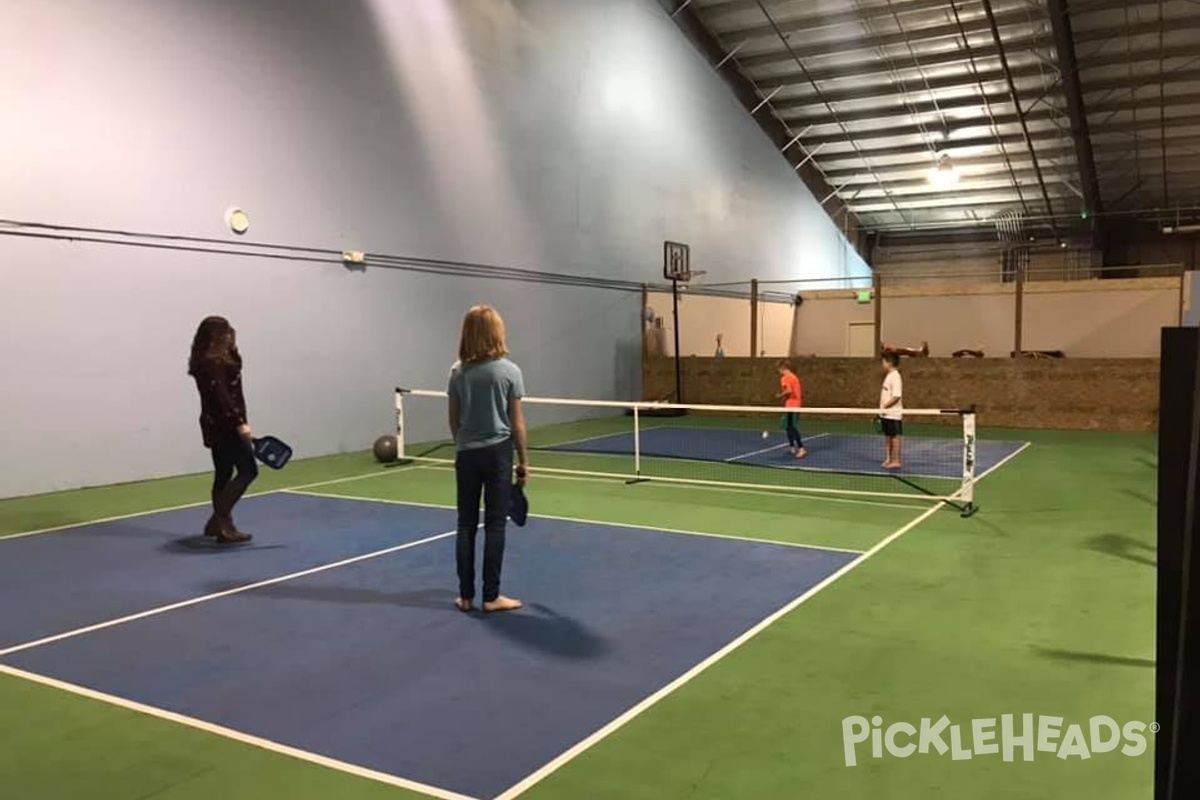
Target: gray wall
565	137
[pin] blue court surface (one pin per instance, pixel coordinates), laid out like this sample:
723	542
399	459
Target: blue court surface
926	457
368	662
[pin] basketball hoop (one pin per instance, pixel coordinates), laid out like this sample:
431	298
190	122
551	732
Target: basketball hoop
677	262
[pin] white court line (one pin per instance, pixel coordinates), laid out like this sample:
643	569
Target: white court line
1024	446
184	506
612	435
217	595
626	525
773	447
237	736
613	726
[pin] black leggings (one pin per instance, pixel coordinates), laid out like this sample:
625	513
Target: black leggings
793	432
486	471
231	451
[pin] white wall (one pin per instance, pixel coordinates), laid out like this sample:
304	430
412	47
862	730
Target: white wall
702	317
1099	324
563	137
822	323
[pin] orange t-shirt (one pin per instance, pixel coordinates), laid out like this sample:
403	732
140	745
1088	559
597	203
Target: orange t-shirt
790	383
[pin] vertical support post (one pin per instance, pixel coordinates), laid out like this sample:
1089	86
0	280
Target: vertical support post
678	363
1185	290
637	444
754	318
877	291
645	326
1019	302
399	424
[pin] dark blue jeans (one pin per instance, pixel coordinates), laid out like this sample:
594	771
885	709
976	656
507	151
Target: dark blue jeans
793	431
486	471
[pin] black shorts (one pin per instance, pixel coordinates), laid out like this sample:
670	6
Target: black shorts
893	427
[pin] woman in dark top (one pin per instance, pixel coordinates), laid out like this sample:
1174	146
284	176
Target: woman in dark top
217	367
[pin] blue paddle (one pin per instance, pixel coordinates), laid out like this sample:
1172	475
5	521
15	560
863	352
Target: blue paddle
518	508
272	452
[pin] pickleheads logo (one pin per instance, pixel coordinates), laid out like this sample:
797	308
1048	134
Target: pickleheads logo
1028	735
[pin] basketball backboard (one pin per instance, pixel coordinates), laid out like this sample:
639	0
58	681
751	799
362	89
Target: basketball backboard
676	261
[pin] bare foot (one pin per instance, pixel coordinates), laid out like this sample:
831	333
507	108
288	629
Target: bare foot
502	603
463	605
801	453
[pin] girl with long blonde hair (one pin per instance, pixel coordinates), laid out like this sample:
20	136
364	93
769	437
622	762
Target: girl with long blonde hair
488	424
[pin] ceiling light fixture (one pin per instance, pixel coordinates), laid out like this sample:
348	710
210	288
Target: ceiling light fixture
945	174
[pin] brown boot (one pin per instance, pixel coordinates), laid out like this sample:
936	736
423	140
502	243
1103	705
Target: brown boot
212	528
228	534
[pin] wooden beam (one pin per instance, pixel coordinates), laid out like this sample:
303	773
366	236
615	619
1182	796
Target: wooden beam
754	318
1019	302
645	336
878	292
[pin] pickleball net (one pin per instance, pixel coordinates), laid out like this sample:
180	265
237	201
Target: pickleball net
727	446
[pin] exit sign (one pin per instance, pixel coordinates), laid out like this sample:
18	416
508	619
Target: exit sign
864	297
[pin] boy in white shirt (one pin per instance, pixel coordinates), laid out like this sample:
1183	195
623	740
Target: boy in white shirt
891	409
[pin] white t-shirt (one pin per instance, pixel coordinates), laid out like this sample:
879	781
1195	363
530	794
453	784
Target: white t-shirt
893	386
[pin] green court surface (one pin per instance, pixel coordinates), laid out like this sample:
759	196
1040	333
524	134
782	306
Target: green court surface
1042	603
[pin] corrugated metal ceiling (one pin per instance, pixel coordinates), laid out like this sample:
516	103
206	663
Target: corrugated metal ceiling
877	93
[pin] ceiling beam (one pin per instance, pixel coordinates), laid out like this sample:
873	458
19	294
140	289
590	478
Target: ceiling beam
982	180
944	146
779	132
841	173
900	131
811	22
1135	82
883	113
874	66
839	47
890	91
886	88
1109	32
963	204
1064	42
886	115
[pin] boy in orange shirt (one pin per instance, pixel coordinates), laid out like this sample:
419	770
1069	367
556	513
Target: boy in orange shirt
790	393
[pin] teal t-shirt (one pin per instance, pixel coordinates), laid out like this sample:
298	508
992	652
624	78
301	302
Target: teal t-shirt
483	390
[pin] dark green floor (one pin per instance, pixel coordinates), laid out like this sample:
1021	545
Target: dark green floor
1042	603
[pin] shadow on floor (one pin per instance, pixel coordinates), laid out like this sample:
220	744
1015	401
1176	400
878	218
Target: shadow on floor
1121	546
1093	658
203	545
534	627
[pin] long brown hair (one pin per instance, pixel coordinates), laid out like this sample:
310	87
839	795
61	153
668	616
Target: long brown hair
482	336
213	343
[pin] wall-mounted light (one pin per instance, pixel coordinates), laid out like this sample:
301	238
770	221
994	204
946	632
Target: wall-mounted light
237	220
